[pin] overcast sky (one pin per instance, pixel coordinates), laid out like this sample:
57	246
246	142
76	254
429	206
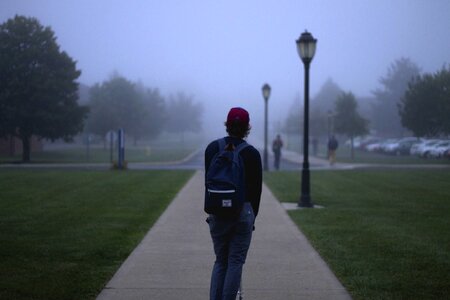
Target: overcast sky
223	51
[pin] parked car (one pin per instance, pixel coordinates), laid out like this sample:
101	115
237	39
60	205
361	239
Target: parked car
415	148
360	142
374	147
401	146
356	142
447	154
439	149
404	148
369	141
424	149
388	144
378	145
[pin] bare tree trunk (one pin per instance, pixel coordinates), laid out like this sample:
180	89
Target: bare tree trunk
26	148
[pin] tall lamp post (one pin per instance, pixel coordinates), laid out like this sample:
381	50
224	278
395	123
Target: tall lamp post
266	95
306	48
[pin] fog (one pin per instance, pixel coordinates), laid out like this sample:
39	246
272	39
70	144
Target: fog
222	52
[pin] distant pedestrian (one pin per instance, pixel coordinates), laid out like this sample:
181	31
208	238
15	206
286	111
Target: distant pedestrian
276	148
332	147
231	236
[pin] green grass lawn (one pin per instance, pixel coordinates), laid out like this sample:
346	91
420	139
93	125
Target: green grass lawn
385	234
100	155
63	234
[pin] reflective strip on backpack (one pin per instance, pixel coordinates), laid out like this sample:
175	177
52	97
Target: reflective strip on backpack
221	191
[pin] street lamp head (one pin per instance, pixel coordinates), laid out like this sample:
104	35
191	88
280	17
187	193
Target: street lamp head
266	91
306	47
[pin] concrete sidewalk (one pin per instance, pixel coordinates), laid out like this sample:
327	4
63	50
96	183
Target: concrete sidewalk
175	258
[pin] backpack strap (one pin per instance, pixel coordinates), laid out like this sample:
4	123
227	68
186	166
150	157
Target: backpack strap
222	143
241	147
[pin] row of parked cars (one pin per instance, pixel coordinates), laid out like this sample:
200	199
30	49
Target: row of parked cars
427	148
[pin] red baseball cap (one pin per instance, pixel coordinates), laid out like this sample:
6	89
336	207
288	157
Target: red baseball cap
238	114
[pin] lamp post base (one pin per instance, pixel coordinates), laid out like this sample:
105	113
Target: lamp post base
305	196
305	201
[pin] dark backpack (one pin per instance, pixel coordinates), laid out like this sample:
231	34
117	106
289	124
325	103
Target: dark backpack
225	181
333	144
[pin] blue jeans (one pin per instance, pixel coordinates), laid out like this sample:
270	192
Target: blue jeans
231	239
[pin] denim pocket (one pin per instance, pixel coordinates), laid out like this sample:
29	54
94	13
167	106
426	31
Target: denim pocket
247	210
247	218
210	220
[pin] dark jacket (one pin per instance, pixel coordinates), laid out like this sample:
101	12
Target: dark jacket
253	169
333	144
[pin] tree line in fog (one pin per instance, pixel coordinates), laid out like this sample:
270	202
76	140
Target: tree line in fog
406	103
39	96
142	112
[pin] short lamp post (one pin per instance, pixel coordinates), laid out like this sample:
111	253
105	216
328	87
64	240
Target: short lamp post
306	48
330	118
266	95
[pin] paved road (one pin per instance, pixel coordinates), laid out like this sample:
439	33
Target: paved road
196	162
291	161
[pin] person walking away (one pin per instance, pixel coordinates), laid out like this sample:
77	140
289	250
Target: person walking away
231	235
332	147
276	148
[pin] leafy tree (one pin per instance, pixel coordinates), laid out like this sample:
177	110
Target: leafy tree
425	107
38	91
184	115
293	123
119	103
153	115
107	103
318	122
83	94
347	120
320	105
325	98
385	118
101	118
114	104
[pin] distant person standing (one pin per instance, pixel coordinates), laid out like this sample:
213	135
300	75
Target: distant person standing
332	147
276	148
231	235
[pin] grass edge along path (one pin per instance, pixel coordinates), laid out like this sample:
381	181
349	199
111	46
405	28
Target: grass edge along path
100	155
63	234
383	233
